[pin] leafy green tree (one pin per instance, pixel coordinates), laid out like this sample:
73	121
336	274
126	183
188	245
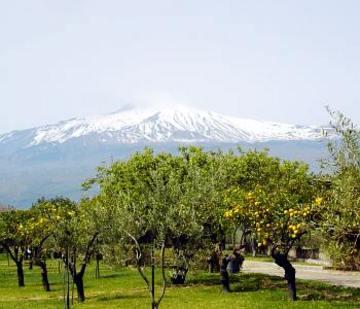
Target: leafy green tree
75	236
341	210
278	208
15	238
156	201
247	171
41	229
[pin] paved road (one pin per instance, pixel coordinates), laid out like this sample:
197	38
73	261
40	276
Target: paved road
351	279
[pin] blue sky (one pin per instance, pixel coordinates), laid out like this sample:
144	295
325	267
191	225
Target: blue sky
268	60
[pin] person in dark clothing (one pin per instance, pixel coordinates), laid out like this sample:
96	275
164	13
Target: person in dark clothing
224	275
236	262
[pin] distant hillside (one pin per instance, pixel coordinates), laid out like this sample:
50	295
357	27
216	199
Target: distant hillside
4	207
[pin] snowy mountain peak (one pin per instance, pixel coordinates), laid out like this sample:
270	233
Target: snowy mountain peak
178	123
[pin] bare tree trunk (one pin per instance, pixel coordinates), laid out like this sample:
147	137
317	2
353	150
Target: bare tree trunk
242	237
44	276
214	261
156	304
234	237
20	273
253	247
97	269
290	277
162	254
78	279
282	261
18	262
153	303
79	282
67	280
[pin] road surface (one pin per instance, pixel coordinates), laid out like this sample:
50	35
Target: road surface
350	279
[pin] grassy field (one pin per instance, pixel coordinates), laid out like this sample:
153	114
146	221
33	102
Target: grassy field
123	288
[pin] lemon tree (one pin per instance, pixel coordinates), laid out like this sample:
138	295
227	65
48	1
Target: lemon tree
279	211
74	229
15	237
41	228
247	171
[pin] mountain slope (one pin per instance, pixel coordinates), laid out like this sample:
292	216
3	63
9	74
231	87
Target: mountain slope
55	159
180	124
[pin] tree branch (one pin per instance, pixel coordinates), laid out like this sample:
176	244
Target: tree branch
88	253
138	258
7	248
162	254
39	247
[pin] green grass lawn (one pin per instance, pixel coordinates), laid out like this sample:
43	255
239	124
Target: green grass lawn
123	288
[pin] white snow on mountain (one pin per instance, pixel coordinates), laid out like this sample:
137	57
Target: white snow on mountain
172	124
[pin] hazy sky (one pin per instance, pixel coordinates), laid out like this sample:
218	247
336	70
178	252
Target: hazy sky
268	60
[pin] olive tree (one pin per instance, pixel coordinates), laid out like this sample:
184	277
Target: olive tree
340	213
156	202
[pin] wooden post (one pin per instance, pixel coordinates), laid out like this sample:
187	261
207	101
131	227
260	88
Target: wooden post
153	276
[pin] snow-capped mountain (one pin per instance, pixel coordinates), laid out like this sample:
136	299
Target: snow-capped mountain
178	124
55	159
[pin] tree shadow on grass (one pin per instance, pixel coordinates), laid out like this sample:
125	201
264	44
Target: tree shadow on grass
311	290
251	282
110	276
117	296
